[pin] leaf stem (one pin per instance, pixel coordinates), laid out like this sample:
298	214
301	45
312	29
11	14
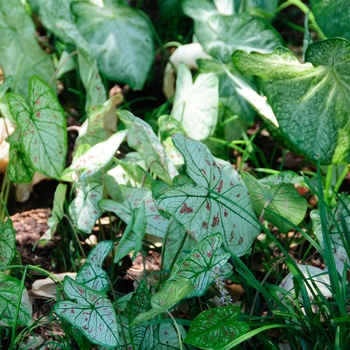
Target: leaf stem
54	75
176	328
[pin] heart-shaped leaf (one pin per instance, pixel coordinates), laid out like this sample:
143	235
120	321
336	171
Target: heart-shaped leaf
332	17
133	234
215	328
276	202
19	168
84	209
57	212
127	60
215	201
21	56
43	127
9	294
7	243
91	274
97	156
168	337
142	138
93	313
310	101
196	105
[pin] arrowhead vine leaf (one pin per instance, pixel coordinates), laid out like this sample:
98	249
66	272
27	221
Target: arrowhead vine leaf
91	274
215	328
215	200
93	313
42	125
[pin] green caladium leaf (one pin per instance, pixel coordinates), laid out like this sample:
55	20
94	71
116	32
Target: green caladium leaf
9	294
19	168
228	95
215	328
262	8
133	234
332	17
165	299
287	177
56	214
143	336
142	138
97	156
58	19
100	124
168	337
84	209
42	125
91	274
93	313
7	243
310	101
335	228
102	27
21	55
276	201
215	201
221	34
196	105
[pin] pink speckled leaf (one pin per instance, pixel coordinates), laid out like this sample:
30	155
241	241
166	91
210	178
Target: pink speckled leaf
214	198
93	313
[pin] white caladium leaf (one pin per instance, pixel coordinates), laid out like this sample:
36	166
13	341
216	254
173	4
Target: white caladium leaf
215	200
131	199
216	328
21	56
142	138
43	127
9	293
168	337
7	243
127	60
133	234
93	314
84	209
91	274
311	100
97	156
57	212
335	229
196	105
276	201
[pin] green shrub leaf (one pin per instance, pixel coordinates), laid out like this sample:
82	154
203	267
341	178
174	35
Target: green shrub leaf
127	60
43	127
215	328
215	201
310	102
7	243
93	313
91	274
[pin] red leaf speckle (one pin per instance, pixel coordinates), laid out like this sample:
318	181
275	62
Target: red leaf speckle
185	209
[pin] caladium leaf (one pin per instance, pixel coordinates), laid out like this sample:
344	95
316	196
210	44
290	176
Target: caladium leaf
335	229
97	156
43	127
133	234
221	34
332	17
168	337
143	336
57	212
103	28
215	201
215	328
91	274
84	209
310	101
196	105
9	294
276	202
19	168
7	243
93	313
142	138
21	55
